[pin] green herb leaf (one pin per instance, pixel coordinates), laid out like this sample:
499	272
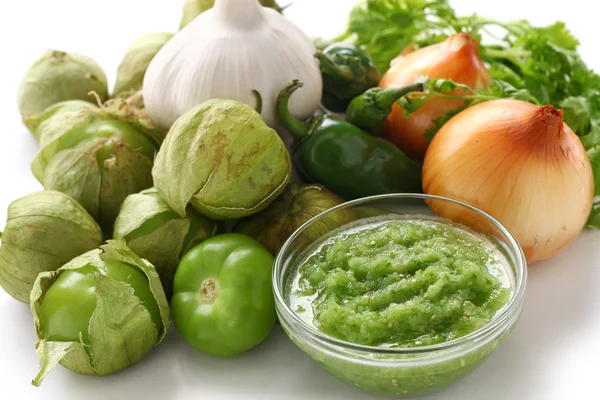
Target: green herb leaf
577	113
386	27
594	219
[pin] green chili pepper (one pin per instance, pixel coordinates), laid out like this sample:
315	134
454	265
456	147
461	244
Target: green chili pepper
370	110
347	72
344	158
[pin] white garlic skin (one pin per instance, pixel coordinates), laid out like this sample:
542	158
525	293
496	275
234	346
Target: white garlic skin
227	52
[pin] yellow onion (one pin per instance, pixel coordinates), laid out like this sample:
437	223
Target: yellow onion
519	163
455	58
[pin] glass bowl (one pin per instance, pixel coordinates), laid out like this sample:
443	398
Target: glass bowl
401	371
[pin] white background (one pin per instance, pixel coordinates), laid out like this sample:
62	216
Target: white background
553	353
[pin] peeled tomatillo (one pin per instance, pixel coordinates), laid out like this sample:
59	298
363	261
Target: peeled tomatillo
223	301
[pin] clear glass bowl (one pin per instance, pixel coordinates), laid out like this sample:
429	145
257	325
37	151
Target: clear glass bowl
401	371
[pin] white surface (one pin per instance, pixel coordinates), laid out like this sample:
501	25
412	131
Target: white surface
552	354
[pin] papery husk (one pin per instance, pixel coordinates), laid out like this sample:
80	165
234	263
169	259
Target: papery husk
296	205
222	158
43	231
130	75
52	119
75	170
58	76
169	237
121	331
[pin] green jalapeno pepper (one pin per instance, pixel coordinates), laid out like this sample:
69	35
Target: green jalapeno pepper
347	71
344	158
370	110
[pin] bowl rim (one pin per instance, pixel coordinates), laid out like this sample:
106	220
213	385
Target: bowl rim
501	319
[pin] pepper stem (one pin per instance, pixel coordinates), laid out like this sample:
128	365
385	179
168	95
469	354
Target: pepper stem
296	127
259	101
387	97
328	67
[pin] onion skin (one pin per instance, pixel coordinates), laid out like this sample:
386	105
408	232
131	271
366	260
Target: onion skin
456	58
519	163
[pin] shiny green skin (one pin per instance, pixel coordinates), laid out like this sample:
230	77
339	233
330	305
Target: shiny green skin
346	159
223	301
347	71
69	303
200	228
370	110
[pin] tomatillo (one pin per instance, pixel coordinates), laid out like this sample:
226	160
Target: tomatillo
69	303
100	313
223	300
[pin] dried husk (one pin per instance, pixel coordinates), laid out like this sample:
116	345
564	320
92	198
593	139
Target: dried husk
43	231
58	76
296	206
132	69
156	233
121	331
99	170
222	158
51	120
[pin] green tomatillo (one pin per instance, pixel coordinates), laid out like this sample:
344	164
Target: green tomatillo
58	76
100	313
98	156
52	120
158	234
296	205
132	69
43	231
223	159
347	71
223	301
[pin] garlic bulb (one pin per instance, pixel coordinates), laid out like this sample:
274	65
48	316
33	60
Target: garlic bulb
227	52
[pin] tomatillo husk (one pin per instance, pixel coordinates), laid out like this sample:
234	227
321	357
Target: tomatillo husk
50	124
221	157
132	69
99	157
43	231
296	205
158	234
58	76
121	328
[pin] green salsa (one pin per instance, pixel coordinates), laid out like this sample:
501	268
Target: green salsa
400	282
